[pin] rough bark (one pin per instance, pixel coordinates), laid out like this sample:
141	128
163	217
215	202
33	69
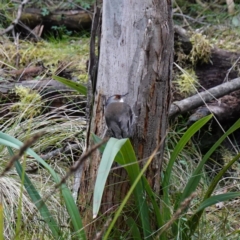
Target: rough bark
136	57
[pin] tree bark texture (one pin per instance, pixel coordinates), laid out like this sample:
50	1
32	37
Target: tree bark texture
136	56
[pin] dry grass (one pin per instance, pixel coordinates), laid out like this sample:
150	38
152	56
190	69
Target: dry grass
64	126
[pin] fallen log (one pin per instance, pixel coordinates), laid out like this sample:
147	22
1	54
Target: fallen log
47	85
220	67
201	98
72	19
219	76
55	94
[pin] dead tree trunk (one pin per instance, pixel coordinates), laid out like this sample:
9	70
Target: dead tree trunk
136	55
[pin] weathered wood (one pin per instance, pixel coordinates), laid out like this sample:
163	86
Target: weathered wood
50	90
72	19
221	69
136	57
218	70
198	100
47	85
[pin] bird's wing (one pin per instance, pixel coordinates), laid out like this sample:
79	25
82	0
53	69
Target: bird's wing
125	122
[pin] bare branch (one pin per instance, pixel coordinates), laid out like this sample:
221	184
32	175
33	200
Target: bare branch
198	100
15	22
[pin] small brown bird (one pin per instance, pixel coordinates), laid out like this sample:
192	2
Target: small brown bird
119	116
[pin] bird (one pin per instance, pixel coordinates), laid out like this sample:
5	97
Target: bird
119	116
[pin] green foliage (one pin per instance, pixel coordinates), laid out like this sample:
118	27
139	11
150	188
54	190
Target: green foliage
6	17
83	3
30	103
194	181
179	147
74	85
187	82
60	31
72	209
121	151
45	11
201	49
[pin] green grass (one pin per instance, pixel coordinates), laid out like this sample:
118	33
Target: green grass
62	128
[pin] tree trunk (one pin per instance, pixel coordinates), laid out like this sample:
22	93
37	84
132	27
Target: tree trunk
136	55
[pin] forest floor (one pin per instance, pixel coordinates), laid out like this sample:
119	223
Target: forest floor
65	122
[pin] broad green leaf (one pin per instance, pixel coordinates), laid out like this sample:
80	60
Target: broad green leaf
36	199
97	140
112	148
74	85
194	220
73	211
196	176
130	163
145	222
181	144
216	199
122	152
134	229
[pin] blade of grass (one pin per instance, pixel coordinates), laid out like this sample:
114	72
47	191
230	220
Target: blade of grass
216	199
130	163
1	222
195	179
196	176
194	220
134	229
19	209
156	208
123	149
36	199
181	144
73	211
74	85
107	159
97	140
124	201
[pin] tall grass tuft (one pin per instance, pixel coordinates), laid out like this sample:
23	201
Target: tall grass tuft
62	126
